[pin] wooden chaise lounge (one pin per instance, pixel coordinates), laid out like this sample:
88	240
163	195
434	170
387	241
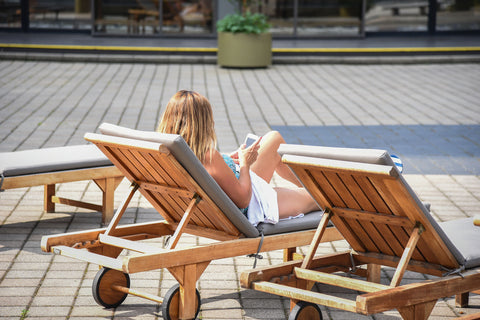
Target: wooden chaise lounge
50	166
166	172
386	225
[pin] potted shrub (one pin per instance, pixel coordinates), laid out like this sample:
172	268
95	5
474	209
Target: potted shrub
244	40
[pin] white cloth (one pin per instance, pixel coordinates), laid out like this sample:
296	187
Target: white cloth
263	205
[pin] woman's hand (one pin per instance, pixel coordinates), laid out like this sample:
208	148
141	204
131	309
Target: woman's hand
247	156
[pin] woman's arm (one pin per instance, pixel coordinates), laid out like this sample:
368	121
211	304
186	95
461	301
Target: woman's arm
239	190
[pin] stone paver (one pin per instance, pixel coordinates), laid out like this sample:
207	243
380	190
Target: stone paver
428	114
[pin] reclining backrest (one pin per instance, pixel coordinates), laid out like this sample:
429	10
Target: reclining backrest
184	155
372	156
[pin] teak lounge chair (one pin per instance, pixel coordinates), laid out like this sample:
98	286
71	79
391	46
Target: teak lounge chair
49	166
166	172
386	225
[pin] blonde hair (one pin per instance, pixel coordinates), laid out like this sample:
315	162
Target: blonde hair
190	115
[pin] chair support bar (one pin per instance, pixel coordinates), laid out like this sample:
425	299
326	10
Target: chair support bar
407	255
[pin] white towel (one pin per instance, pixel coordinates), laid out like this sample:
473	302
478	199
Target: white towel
263	205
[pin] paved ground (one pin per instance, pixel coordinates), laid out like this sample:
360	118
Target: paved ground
427	114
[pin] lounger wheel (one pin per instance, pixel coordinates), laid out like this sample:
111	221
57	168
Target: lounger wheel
170	305
305	311
102	287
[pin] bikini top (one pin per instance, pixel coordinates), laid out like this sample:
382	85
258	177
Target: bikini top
229	161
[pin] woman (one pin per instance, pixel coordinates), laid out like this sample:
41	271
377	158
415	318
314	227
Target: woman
245	174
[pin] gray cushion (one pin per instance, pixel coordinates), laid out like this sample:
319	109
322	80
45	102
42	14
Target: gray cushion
466	237
51	159
309	221
372	156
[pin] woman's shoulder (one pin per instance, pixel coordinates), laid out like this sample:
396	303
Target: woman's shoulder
212	156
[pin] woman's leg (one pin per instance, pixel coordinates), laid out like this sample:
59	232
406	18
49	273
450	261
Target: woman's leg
292	202
269	161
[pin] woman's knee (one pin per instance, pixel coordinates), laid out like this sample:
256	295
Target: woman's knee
274	136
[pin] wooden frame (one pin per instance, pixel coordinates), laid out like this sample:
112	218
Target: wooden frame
372	208
185	207
106	178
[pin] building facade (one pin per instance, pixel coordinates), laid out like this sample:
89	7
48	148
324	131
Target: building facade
197	18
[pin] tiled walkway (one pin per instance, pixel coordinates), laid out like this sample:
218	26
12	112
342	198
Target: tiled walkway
429	115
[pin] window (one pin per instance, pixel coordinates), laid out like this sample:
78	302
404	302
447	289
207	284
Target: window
397	15
458	15
10	13
150	17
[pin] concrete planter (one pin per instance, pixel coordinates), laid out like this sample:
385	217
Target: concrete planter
242	50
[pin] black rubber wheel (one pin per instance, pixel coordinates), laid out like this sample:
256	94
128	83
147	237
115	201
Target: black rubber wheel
102	290
305	311
170	308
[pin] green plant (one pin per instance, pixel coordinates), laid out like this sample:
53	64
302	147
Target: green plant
24	314
243	21
246	23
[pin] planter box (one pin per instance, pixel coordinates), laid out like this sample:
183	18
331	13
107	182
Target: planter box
242	50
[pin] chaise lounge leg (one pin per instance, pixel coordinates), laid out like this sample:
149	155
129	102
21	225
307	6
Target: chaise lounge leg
49	192
108	187
187	276
288	254
374	272
417	312
461	300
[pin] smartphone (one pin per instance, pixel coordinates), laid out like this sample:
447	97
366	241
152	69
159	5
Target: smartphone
250	139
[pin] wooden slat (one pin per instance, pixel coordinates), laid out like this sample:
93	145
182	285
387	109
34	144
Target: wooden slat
393	261
158	228
397	236
117	156
305	295
320	189
84	255
207	213
152	166
358	201
431	245
335	190
380	206
286	269
175	191
129	244
224	249
374	217
211	214
168	205
339	281
175	176
76	203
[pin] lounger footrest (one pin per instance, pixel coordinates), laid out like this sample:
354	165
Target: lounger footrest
305	295
344	282
87	256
